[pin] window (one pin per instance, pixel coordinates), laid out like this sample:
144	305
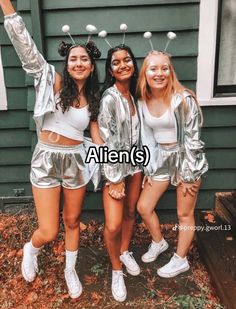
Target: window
216	80
225	68
3	95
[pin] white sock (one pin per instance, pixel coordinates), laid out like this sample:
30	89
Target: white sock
159	242
71	257
179	257
32	249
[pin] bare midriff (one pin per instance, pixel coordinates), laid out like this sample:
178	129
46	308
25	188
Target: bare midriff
168	144
53	138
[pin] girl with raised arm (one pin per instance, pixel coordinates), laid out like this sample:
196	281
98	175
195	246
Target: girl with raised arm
64	107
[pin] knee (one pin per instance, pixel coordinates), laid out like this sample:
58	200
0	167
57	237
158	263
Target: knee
71	223
112	229
129	214
49	234
185	216
142	209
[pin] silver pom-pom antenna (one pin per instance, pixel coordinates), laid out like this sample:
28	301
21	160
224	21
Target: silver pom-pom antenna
147	35
91	29
123	28
170	36
103	34
66	30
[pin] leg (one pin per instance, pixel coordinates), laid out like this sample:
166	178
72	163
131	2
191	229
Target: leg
112	235
113	224
47	208
133	188
185	211
72	206
146	206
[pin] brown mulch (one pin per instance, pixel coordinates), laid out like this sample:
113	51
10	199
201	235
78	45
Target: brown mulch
190	290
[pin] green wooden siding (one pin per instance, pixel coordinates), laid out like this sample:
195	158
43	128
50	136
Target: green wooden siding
17	135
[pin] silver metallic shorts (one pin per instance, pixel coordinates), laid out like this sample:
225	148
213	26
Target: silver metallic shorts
167	164
55	165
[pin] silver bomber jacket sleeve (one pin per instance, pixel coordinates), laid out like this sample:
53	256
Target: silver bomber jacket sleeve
34	65
107	121
147	139
32	61
193	161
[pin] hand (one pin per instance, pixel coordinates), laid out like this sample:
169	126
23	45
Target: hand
191	188
148	179
117	190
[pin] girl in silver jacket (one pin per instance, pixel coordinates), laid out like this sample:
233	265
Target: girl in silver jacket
63	109
119	128
170	126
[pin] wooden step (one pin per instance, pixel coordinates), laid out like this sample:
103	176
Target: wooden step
217	248
225	207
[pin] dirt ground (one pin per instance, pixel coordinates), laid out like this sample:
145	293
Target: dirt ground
189	290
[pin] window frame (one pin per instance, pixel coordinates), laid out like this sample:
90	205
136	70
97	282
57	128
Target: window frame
206	56
3	92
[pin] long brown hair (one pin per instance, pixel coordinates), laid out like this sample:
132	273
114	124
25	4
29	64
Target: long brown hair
173	86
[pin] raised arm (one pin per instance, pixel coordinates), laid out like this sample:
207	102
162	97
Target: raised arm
7	7
32	61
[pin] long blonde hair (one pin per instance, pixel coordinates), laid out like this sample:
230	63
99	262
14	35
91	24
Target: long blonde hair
173	86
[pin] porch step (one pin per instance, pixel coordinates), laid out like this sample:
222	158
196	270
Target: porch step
217	248
225	207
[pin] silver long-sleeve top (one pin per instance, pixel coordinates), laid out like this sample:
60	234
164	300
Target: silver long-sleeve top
35	65
115	126
191	162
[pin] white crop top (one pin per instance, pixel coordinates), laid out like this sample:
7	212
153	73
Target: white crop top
71	123
164	127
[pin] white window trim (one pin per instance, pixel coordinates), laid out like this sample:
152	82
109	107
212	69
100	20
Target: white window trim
3	94
206	55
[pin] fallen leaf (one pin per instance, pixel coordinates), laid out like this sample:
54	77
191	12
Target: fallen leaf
82	226
19	253
210	218
90	279
96	297
11	253
31	298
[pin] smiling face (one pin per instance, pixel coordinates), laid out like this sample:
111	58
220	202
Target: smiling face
158	71
79	65
122	67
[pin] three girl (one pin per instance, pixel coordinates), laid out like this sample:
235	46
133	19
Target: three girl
168	120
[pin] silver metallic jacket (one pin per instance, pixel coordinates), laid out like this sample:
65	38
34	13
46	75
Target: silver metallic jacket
191	162
43	73
115	126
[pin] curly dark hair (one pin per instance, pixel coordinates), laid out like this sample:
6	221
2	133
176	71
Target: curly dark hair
109	79
70	91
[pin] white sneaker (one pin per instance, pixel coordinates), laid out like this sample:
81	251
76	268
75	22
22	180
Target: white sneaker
73	284
176	266
118	287
154	249
29	265
131	265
